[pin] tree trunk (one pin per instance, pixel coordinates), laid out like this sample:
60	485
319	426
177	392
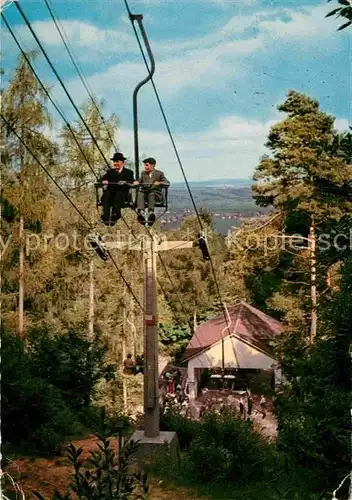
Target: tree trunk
313	281
131	322
91	301
328	278
21	279
1	246
195	320
124	382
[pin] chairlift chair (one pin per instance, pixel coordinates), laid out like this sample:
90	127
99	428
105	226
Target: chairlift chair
160	202
100	188
97	244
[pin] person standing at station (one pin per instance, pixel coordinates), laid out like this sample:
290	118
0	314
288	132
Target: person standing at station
263	405
249	404
242	406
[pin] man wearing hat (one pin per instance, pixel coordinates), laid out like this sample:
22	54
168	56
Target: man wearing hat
115	195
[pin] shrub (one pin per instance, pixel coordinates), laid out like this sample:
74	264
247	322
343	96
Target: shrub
33	411
226	448
313	409
106	476
221	446
71	363
186	429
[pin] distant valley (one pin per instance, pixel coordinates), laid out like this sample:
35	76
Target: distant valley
229	200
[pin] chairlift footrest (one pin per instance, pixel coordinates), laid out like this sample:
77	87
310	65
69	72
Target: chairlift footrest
97	245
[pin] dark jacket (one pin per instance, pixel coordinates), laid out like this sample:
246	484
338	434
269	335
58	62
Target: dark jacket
113	175
156	175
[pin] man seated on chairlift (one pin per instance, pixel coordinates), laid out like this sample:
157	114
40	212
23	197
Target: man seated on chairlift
115	195
151	181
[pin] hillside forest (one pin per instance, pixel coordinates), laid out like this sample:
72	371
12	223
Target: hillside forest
68	318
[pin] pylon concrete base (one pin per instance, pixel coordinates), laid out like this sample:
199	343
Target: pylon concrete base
150	447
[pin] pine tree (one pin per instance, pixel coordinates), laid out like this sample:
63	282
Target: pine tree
26	189
304	176
82	159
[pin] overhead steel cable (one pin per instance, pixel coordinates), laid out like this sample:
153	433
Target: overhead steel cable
19	8
66	43
8	124
180	164
47	93
70	201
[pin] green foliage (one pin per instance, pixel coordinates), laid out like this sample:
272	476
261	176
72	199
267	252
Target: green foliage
102	422
262	284
171	334
205	216
175	338
107	476
228	449
340	310
220	447
194	277
186	429
46	388
34	412
313	408
71	363
222	457
24	106
344	11
303	156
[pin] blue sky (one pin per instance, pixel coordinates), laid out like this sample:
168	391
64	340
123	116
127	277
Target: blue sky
222	66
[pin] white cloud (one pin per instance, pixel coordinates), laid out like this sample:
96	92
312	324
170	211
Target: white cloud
82	35
342	125
199	68
233	147
230	149
305	23
199	62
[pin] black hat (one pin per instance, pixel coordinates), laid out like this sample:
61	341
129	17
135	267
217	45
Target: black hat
118	157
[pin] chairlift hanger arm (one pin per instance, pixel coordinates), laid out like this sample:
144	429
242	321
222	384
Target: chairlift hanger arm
139	19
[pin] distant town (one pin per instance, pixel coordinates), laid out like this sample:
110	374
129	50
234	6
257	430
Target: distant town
223	221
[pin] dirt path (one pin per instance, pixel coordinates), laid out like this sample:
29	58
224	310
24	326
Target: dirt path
47	475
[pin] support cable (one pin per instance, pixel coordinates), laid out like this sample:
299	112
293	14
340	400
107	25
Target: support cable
19	8
71	202
47	93
96	143
67	44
